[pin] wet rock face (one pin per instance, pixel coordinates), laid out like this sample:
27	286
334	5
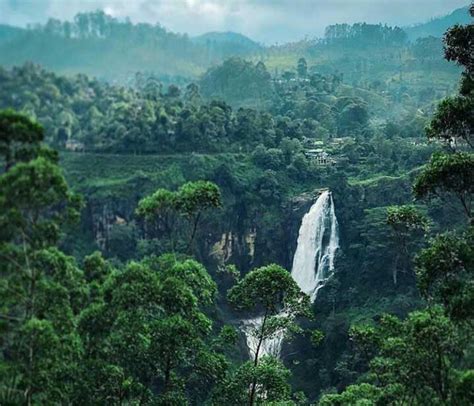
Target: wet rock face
232	244
223	249
250	239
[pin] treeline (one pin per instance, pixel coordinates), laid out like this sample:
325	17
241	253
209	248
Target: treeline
101	45
98	117
98	24
80	113
363	34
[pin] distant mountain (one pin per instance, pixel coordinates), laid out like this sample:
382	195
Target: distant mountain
8	32
100	45
228	37
228	42
438	26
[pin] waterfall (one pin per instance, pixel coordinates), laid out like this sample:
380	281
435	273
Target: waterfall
318	240
270	346
313	265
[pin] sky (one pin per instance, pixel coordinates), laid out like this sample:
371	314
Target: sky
266	21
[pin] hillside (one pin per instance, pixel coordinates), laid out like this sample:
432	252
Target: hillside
102	46
228	43
8	33
438	26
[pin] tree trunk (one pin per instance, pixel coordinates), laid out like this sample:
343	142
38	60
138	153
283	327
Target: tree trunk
29	314
253	387
193	233
466	206
167	374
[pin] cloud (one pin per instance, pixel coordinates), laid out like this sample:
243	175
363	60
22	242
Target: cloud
267	21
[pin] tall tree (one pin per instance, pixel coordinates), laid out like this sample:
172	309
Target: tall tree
406	222
448	174
190	201
42	290
146	335
272	291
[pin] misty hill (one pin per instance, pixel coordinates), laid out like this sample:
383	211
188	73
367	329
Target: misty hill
105	47
8	32
437	26
102	46
229	43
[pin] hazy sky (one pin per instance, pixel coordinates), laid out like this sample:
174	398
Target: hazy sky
266	21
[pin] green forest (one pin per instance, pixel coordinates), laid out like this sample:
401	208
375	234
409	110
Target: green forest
211	220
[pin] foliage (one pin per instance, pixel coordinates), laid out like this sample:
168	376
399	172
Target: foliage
42	290
149	325
427	357
458	40
251	85
359	395
270	287
191	200
194	197
415	358
272	290
448	173
270	376
445	273
20	137
406	218
453	122
406	222
316	337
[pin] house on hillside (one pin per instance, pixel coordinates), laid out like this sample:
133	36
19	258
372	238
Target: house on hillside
319	156
341	141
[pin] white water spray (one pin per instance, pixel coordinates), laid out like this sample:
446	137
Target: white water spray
318	240
313	265
270	346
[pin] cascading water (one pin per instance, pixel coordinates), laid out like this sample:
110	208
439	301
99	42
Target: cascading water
313	265
270	346
318	240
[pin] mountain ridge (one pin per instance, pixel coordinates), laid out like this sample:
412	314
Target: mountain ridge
437	26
